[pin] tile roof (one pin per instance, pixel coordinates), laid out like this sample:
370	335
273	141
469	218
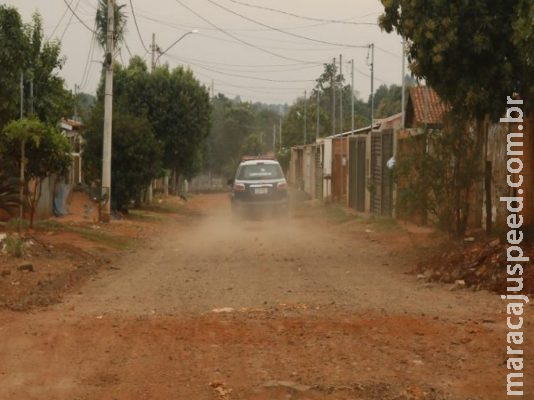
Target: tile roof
427	106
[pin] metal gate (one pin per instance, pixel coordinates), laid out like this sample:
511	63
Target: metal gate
376	173
357	173
387	175
318	174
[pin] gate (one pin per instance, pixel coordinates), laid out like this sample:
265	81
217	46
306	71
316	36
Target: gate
387	175
376	173
357	173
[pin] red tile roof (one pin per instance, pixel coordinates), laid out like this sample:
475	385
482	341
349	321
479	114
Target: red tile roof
427	106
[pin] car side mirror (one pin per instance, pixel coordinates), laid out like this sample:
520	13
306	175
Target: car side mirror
230	182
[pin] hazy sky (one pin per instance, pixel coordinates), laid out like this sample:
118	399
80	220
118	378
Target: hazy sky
235	67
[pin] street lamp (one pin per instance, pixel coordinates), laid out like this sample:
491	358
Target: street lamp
172	45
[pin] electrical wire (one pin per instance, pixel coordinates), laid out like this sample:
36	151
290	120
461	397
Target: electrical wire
78	18
70	21
328	21
185	26
387	52
88	62
274	28
137	27
127	48
241	76
251	65
59	22
239	39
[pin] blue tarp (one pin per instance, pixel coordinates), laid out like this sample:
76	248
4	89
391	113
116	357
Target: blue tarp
60	199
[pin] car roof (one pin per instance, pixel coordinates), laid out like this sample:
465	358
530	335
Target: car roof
259	161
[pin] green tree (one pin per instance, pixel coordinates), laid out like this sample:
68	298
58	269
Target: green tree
252	146
233	122
136	155
119	26
474	54
13	50
40	148
23	50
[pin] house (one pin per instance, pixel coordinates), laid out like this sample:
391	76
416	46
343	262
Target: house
72	129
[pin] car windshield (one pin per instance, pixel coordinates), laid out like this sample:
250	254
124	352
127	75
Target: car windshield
259	171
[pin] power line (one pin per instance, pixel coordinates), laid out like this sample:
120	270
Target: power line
127	48
239	39
243	76
283	31
328	21
292	49
185	26
252	65
59	22
387	52
70	21
78	18
88	62
137	27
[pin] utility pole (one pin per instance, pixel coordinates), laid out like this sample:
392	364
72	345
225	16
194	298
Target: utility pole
274	138
108	113
318	111
21	95
75	101
403	99
305	116
352	93
22	158
31	97
280	130
212	88
372	46
333	87
153	48
341	93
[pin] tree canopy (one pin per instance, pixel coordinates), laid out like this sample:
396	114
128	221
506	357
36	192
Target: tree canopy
474	53
23	49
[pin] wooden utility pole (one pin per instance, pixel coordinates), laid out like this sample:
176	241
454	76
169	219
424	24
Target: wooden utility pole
108	113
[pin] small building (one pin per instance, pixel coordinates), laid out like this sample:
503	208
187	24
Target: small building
72	129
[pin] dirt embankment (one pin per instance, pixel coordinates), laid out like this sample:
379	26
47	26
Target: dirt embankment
60	254
478	264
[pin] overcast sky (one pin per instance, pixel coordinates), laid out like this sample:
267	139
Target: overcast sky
272	66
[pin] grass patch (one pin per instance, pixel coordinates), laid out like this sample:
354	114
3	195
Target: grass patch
93	235
338	214
383	223
144	216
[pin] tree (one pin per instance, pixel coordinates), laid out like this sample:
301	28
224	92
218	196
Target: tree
24	51
39	150
252	146
329	83
13	48
8	194
136	155
119	26
233	122
388	100
474	54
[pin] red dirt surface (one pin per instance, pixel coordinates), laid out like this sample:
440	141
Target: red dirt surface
311	308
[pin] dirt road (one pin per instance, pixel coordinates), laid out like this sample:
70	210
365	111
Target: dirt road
211	309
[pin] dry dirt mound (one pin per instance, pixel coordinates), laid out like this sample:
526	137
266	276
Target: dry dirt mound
480	264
